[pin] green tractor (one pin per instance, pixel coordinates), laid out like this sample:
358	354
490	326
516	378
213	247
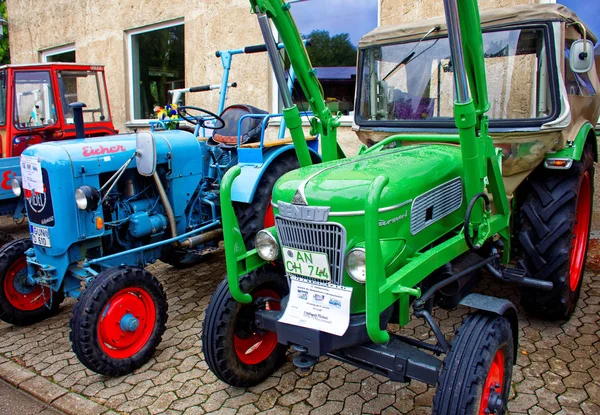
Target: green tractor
480	155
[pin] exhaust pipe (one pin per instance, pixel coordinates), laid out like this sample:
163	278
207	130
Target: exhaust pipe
77	108
209	236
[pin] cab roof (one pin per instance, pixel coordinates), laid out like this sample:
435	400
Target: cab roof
50	64
525	13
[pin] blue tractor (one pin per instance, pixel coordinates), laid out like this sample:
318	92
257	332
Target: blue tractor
102	209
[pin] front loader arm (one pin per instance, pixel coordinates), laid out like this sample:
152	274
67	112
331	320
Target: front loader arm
325	124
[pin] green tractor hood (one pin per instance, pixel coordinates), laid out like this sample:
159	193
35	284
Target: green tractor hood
342	185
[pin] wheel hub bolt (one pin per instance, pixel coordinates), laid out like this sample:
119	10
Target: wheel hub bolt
495	403
129	323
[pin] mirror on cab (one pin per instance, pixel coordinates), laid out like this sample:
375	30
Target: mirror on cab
145	147
581	56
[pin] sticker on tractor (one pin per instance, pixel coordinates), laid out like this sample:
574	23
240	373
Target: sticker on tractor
306	263
39	204
318	306
31	174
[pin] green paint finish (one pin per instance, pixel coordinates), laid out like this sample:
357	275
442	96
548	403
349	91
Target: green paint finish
372	195
344	187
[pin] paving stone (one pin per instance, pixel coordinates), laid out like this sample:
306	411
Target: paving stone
557	371
74	404
14	374
183	404
43	389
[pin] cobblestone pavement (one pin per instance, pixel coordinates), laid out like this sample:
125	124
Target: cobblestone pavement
558	368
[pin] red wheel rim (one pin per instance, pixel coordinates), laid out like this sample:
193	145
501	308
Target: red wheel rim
20	295
126	323
269	216
580	232
494	381
258	346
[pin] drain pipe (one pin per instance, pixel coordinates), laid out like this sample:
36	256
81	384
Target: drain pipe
167	205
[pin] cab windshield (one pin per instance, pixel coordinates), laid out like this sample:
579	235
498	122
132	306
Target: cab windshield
33	100
87	87
413	82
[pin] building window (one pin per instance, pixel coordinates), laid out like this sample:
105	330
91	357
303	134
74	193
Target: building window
157	65
64	53
335	28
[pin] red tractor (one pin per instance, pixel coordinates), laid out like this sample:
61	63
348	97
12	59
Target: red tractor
35	107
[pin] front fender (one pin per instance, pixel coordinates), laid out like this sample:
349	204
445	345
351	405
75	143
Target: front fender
245	185
498	306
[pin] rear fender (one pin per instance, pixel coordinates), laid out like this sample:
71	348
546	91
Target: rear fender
574	149
498	306
245	185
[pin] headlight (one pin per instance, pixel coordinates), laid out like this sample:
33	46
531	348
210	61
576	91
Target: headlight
87	198
16	186
266	245
356	265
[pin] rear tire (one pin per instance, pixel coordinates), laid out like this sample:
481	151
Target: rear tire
477	372
257	215
5	238
119	321
22	304
235	351
555	226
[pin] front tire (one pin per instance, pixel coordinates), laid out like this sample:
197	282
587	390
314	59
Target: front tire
235	351
477	372
555	230
21	303
119	321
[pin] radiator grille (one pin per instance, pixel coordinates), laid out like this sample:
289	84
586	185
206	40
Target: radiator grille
327	238
435	205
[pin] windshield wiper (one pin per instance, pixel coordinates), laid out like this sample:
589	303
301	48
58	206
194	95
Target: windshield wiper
411	54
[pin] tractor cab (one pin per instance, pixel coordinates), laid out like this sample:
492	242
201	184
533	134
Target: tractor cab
542	96
35	99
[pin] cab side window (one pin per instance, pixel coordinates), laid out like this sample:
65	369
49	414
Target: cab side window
577	83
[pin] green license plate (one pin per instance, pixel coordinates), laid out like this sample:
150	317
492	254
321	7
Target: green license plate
306	263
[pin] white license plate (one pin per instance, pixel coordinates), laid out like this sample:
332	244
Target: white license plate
40	236
306	263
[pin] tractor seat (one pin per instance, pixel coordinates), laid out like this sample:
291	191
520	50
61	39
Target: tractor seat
250	127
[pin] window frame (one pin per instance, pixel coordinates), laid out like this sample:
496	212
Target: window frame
15	105
130	72
57	50
405	125
346	120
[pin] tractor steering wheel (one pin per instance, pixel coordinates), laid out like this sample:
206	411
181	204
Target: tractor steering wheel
183	112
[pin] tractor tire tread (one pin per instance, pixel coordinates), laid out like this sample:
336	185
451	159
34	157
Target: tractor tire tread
83	324
546	222
217	341
461	379
9	253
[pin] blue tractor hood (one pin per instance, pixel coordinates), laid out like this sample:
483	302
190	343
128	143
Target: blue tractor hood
70	164
105	154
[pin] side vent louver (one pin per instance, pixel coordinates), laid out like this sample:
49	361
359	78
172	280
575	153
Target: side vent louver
435	204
